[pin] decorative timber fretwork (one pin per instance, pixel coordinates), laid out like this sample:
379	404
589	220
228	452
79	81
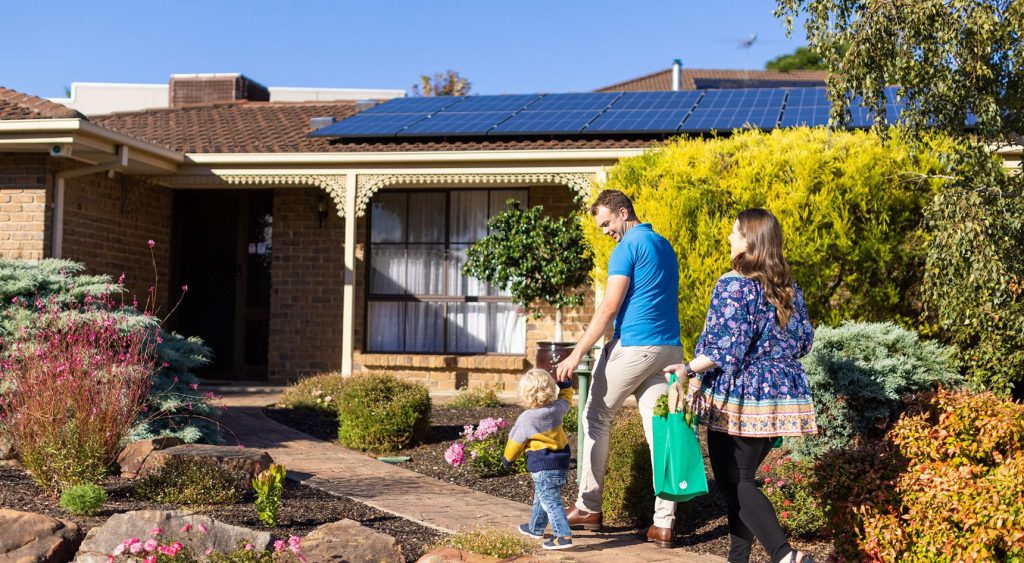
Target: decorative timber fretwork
333	184
368	184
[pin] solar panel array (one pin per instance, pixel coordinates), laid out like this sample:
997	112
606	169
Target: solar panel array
600	113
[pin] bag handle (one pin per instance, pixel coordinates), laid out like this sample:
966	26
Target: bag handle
676	394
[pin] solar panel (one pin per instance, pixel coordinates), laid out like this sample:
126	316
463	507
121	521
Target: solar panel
638	121
457	123
747	97
575	102
370	125
807	97
725	119
426	104
804	116
546	122
493	103
657	100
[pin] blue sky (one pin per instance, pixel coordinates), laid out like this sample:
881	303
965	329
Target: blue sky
505	46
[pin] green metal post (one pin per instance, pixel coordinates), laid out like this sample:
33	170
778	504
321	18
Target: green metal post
583	377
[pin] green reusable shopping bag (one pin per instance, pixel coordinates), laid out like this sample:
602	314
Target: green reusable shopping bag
678	462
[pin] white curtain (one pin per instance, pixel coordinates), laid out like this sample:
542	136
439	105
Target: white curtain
424	327
425	274
507	329
467	328
388	271
384	319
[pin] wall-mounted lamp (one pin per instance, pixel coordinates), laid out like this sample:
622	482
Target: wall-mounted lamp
321	209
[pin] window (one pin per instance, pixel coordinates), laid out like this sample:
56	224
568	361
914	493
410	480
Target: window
417	298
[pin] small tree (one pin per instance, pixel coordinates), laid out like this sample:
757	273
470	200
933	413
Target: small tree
801	59
536	258
448	83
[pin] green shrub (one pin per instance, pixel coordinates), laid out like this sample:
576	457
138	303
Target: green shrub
628	482
489	541
177	405
788	486
479	397
572	419
859	374
974	276
944	485
189	480
321	392
269	486
850	208
381	413
83	499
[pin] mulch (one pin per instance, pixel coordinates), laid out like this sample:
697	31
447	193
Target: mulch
303	509
701	524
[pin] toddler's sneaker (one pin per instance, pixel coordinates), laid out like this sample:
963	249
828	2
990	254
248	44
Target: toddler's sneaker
558	543
525	530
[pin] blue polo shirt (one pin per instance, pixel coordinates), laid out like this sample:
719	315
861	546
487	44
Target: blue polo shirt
649	315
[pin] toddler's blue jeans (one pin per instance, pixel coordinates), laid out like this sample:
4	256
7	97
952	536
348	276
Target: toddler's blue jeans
547	503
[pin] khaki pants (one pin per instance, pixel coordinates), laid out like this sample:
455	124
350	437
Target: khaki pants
622	371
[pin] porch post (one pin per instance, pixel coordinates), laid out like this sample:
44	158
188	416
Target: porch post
348	314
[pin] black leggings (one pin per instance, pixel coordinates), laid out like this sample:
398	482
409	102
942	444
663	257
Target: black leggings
734	460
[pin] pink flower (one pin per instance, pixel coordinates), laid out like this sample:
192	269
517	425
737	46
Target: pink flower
455	455
202	529
151	243
193	386
184	287
785	514
150	545
156	531
279	545
186	528
208	551
787	502
110	559
293	543
249	547
119	549
767	480
135	547
150	559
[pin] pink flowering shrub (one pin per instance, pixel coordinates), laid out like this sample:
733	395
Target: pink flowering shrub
482	448
786	484
75	385
181	548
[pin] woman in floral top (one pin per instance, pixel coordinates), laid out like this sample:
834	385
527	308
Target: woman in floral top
752	388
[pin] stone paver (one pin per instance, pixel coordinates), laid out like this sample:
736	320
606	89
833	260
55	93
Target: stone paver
408	494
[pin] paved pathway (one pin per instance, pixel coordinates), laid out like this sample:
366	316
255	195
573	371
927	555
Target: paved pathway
408	494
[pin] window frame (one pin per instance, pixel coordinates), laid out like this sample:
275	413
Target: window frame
443	299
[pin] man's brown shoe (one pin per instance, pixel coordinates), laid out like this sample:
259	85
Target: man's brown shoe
662	537
583	520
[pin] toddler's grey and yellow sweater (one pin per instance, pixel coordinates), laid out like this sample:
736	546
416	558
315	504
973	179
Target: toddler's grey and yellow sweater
538	432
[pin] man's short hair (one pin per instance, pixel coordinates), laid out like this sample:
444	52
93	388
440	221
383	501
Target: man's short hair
614	200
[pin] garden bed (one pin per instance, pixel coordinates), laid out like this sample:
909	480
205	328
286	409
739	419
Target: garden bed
303	509
701	524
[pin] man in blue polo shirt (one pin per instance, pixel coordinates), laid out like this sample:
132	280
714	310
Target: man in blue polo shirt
642	297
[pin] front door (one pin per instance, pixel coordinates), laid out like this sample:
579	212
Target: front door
222	253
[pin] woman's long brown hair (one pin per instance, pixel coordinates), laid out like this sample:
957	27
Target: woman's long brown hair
763	260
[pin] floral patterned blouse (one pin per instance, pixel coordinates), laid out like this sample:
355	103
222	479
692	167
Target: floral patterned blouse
759	388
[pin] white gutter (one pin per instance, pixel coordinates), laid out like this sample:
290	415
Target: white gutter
83	126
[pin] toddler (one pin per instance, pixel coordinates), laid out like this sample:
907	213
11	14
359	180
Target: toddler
539	434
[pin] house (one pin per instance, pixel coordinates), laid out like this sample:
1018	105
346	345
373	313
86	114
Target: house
339	251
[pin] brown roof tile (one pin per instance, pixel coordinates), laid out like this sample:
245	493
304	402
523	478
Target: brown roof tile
689	77
16	105
275	127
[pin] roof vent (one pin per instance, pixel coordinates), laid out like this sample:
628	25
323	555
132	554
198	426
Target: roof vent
677	66
363	105
320	122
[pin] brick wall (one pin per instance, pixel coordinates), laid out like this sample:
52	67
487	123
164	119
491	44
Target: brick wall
307	275
107	223
447	372
25	181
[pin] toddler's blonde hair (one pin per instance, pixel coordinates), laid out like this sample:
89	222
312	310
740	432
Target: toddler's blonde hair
537	389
